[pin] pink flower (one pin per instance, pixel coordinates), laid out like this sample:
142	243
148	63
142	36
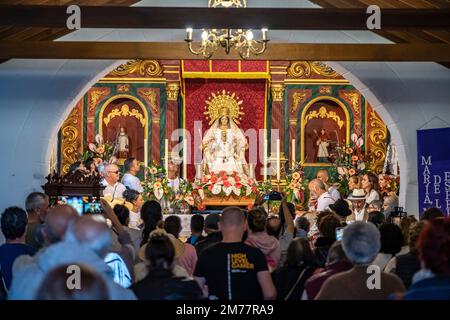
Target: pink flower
238	185
226	184
204	179
214	179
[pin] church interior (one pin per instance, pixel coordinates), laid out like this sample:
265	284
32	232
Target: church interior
199	106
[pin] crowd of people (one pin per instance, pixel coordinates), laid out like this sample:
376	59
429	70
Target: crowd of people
343	247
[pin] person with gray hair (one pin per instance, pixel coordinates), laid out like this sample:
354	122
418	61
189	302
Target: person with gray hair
361	244
36	204
320	199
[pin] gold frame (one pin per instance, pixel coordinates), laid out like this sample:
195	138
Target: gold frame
127	96
303	125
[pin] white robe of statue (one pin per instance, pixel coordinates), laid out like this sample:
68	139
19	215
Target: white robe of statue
224	147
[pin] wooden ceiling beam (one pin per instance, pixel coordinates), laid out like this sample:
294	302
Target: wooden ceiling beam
255	18
177	50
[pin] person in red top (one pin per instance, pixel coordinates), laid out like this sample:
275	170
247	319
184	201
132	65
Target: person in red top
336	262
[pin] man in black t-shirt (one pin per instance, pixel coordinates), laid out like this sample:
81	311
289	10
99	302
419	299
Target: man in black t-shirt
230	269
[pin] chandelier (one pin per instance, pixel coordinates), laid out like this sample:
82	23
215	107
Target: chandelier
242	40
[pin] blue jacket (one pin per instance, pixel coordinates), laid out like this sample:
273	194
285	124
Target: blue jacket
436	288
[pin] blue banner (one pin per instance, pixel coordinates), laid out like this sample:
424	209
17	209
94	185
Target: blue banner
433	149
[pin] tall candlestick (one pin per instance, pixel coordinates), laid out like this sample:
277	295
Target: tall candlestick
278	160
166	155
184	158
265	160
145	153
293	153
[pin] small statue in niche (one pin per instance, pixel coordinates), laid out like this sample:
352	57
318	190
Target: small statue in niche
123	143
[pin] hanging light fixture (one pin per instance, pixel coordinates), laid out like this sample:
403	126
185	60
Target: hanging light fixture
240	39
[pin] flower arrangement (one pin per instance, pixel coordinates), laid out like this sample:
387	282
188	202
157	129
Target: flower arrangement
392	184
186	196
226	184
350	161
100	151
295	189
156	186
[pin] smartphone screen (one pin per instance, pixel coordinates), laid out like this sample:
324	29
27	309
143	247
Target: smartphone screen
339	233
76	203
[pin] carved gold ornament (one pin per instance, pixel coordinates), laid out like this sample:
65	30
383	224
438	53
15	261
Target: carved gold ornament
151	96
227	3
304	69
172	90
125	112
377	141
69	133
95	96
323	113
297	98
143	68
354	99
123	88
224	103
277	92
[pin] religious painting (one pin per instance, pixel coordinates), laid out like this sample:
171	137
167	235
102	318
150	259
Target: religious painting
324	127
124	122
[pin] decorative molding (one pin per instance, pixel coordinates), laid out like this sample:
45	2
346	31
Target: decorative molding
323	113
325	90
150	96
377	141
125	111
277	92
143	68
95	96
297	98
353	97
227	3
172	90
123	88
305	69
69	138
293	122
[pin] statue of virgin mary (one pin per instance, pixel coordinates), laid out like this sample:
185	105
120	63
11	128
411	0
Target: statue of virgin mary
224	145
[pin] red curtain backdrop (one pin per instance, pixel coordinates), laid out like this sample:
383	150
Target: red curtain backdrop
197	91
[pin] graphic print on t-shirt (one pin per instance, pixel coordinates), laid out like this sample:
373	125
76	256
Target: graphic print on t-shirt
240	261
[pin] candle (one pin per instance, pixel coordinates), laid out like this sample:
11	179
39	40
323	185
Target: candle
145	153
199	171
265	160
166	155
278	160
189	33
184	158
293	153
264	33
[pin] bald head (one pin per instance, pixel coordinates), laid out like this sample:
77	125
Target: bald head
96	235
57	221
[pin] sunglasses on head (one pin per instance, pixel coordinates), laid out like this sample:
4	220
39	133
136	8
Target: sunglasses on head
116	172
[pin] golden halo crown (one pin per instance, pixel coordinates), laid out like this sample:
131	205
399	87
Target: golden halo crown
223	104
